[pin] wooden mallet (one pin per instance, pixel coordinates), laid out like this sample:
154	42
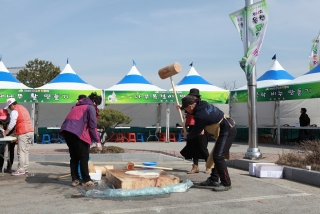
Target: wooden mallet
169	71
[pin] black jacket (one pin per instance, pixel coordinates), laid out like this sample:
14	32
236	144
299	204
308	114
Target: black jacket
304	119
206	114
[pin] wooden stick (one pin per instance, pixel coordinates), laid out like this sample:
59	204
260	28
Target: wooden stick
153	167
62	176
177	101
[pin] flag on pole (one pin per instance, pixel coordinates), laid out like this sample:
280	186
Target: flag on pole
274	57
191	64
314	56
256	20
133	63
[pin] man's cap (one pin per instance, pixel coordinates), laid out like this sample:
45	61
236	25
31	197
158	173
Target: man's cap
194	92
9	102
3	114
187	100
81	96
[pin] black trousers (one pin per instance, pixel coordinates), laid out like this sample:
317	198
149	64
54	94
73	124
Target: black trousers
221	148
79	151
11	151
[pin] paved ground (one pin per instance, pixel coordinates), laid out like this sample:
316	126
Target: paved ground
270	152
39	192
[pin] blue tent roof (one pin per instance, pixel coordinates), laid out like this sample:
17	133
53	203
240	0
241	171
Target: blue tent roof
276	72
193	78
67	79
134	78
134	81
8	81
7	77
66	76
314	70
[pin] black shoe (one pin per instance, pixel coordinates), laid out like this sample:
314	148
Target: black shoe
221	188
209	182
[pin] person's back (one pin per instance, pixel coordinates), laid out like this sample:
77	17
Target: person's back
304	118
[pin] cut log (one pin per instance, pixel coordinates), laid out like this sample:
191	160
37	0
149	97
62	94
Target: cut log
121	180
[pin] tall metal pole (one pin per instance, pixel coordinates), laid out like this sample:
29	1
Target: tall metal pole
253	150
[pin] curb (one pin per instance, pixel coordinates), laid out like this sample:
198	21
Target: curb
290	173
107	157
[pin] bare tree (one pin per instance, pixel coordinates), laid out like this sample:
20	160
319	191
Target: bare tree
229	85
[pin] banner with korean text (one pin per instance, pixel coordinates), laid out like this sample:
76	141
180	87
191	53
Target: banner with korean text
256	18
145	97
280	93
314	55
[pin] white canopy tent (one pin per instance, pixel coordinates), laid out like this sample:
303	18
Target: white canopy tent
290	109
266	111
142	114
9	82
51	114
194	80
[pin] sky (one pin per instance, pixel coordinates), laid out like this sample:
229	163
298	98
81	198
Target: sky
100	38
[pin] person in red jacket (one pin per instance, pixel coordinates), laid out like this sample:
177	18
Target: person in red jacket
79	130
4	122
196	148
20	119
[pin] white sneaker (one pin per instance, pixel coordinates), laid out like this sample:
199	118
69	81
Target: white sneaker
17	173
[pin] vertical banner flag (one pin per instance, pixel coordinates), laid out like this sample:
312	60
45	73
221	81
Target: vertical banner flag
314	56
256	20
238	19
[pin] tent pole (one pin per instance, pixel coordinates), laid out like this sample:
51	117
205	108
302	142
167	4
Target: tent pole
103	99
278	122
167	123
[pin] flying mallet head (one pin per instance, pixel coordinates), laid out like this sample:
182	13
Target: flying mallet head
169	71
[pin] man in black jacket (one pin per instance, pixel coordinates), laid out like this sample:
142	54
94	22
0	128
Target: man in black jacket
304	121
206	115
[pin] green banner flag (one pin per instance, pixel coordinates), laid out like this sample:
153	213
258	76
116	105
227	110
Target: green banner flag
314	56
280	93
145	97
256	18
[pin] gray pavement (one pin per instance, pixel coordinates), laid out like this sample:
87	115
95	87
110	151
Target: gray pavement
39	192
176	146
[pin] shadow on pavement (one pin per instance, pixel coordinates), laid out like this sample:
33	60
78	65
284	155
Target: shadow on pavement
54	164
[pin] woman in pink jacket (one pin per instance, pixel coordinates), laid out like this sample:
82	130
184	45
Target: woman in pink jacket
79	130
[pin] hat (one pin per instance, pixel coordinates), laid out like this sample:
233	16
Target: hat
81	96
187	100
3	114
9	102
194	92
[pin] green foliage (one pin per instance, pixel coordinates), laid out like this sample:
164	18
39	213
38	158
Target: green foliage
111	117
38	73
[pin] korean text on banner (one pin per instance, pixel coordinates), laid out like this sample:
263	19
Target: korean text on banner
238	19
256	20
314	56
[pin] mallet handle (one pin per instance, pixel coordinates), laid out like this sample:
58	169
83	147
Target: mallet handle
175	95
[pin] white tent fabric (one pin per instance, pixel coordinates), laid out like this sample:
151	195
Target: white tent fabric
194	80
266	111
134	81
54	114
290	109
142	115
69	80
7	80
276	75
